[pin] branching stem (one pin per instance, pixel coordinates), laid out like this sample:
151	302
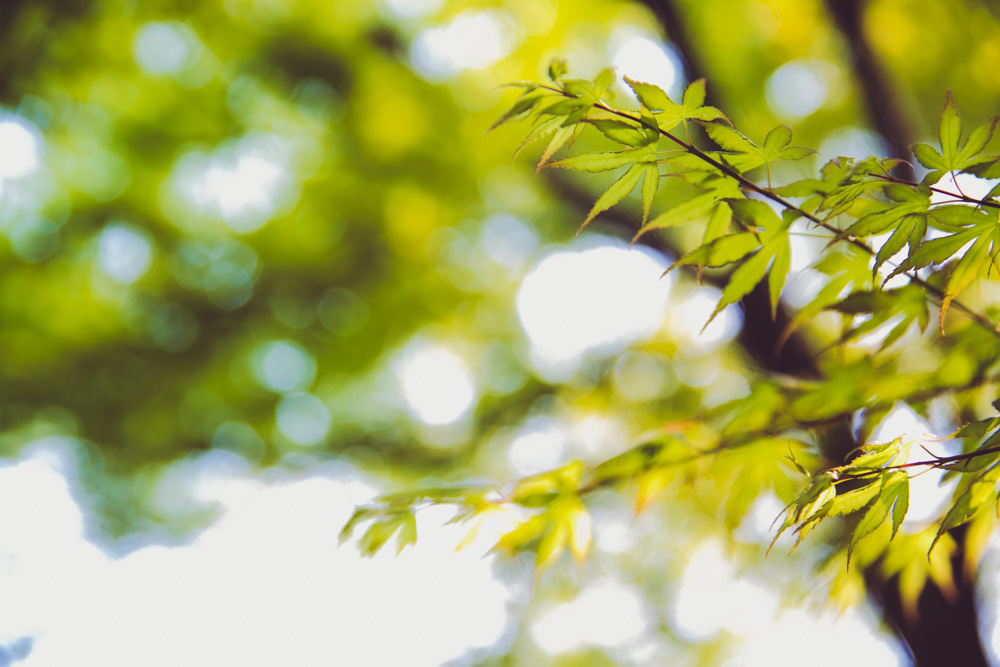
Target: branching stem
747	184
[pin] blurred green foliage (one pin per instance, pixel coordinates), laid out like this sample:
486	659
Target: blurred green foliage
235	221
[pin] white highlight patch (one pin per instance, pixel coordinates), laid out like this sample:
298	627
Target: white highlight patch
711	598
436	384
508	241
797	637
688	316
303	419
598	300
541	445
266	585
473	40
606	614
244	184
20	146
642	58
124	252
166	47
799	88
853	142
410	9
284	365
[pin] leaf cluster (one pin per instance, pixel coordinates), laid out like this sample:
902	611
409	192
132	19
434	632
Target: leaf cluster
877	226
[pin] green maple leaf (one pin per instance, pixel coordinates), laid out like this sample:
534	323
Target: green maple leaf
955	155
744	154
668	113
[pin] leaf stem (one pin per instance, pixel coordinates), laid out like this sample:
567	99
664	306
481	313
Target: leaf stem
959	197
746	183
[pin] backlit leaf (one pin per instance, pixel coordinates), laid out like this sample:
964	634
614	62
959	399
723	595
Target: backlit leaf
407	533
778	273
894	491
651	181
559	139
928	156
910	230
718	224
692	209
620	131
964	272
950	130
746	276
618	191
855	499
557	69
936	251
650	96
598	162
721	251
521	108
552	544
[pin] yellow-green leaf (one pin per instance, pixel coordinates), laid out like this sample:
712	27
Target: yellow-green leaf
721	251
407	532
559	139
779	271
745	278
692	209
964	272
620	131
950	130
855	499
618	191
552	544
928	156
650	183
650	96
718	224
598	162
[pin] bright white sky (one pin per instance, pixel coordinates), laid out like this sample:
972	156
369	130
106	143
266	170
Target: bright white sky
265	585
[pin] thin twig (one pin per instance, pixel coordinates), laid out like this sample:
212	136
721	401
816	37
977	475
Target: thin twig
746	183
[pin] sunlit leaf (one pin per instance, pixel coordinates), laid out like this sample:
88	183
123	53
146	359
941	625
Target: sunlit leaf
407	533
894	492
855	499
559	139
618	191
650	96
552	544
929	157
778	273
950	132
557	69
620	131
721	251
718	223
598	162
746	276
965	271
651	181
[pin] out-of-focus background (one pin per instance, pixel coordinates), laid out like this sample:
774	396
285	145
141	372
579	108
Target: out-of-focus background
261	261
